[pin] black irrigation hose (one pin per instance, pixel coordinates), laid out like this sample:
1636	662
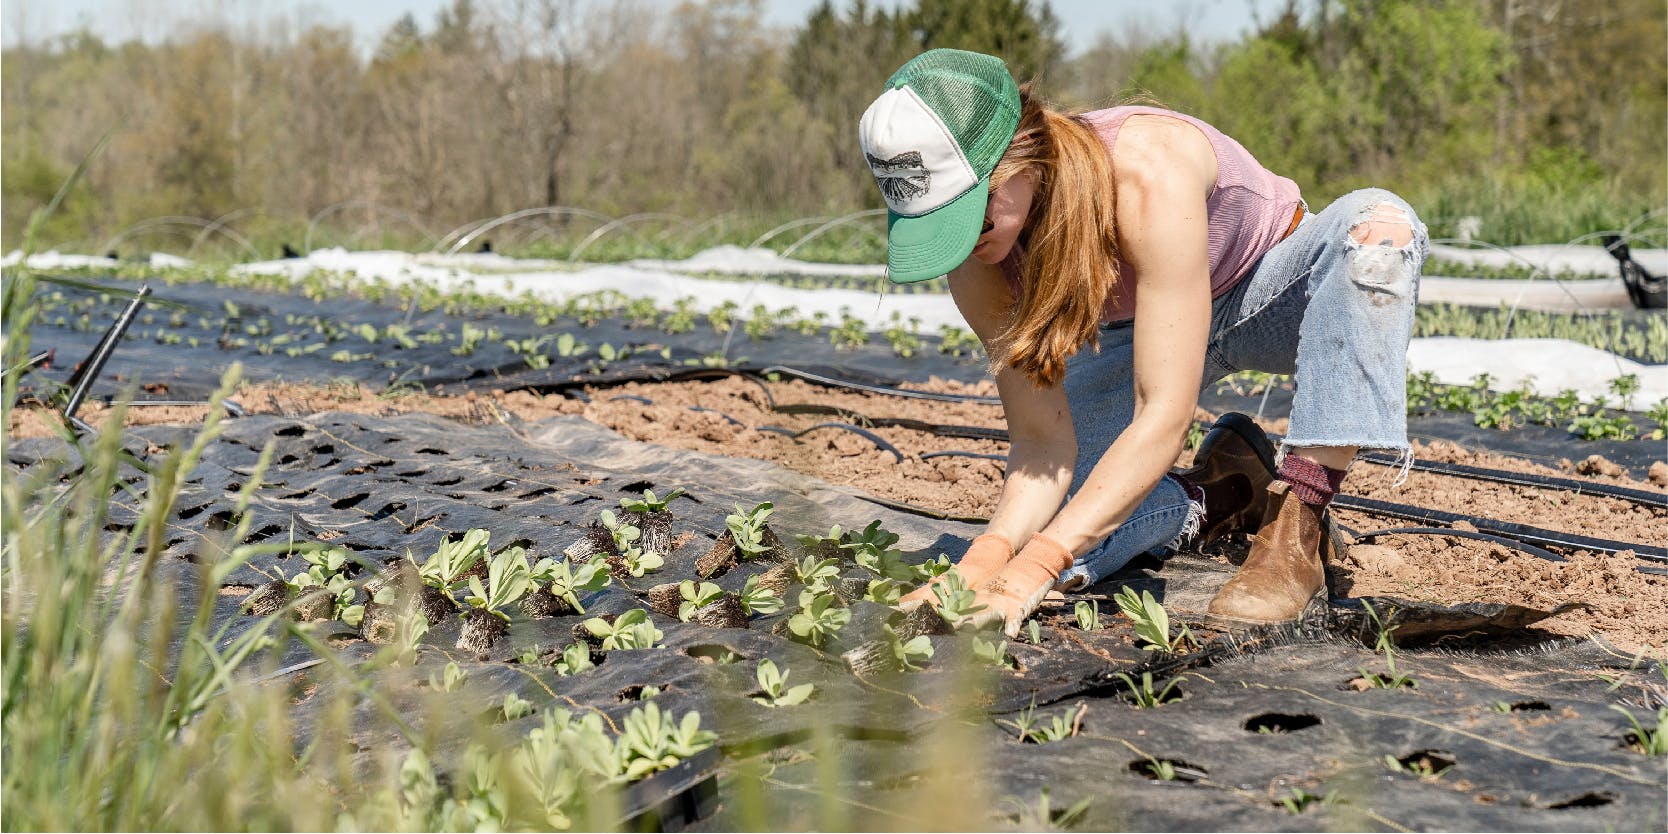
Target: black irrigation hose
869	435
1639	496
938	429
633	397
1523	547
878	389
1521	532
953	453
704	410
921	511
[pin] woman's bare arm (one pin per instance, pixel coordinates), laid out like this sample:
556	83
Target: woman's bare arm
1042	446
1165	169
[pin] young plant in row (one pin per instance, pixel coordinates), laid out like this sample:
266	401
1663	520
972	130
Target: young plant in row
872	549
817	575
759	599
335	593
1145	695
574	659
450	679
774	687
747	529
650	515
651	740
632	559
509	577
444	571
1152	622
956	601
818	619
1650	741
696	596
884	591
1052	728
992	652
1385	643
908	655
1087	613
567	581
631	630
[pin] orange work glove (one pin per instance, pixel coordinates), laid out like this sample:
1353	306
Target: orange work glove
982	560
1014	593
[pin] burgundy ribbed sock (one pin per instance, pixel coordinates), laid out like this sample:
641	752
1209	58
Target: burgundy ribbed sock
1312	483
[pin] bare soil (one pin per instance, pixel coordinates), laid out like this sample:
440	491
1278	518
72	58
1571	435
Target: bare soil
1628	607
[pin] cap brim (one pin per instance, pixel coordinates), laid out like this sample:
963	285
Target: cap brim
925	247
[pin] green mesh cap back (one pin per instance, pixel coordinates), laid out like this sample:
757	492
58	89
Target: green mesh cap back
975	96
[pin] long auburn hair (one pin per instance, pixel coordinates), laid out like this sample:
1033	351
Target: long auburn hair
1070	241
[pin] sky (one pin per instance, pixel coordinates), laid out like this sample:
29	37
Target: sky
119	20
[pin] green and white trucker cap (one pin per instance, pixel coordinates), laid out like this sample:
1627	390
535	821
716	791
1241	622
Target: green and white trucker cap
932	140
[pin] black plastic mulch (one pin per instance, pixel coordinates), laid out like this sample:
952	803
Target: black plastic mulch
1515	733
169	366
180	371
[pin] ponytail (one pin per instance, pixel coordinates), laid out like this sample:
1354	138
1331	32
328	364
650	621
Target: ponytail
1070	241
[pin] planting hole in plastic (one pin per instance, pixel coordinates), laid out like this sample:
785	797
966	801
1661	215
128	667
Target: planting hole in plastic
1427	761
634	693
350	501
1590	799
388	510
714	653
1530	706
1277	723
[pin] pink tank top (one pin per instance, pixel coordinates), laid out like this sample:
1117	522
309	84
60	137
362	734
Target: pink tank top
1248	211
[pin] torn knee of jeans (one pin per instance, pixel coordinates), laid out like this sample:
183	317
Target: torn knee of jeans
1382	252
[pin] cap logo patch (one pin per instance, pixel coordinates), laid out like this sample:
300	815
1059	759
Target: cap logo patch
902	178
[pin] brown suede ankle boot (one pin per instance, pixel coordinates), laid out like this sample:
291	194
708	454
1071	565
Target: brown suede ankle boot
1234	466
1284	573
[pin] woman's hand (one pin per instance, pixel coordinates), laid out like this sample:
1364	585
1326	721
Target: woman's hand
1014	593
983	559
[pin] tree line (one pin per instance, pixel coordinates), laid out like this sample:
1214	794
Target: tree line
1541	117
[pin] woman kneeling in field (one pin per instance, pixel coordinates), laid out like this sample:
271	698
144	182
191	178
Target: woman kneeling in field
1114	263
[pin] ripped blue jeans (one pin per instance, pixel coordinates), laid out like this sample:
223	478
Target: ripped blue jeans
1333	310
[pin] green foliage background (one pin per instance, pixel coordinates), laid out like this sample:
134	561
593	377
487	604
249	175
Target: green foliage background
1542	117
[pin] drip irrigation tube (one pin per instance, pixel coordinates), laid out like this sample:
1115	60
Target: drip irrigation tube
921	511
880	442
1462	534
1639	496
952	453
1521	532
877	389
938	429
704	410
82	379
